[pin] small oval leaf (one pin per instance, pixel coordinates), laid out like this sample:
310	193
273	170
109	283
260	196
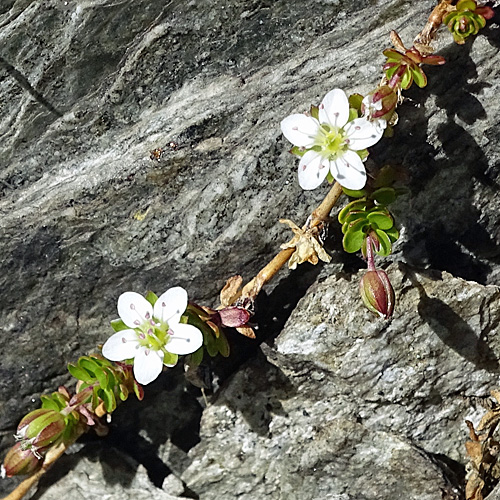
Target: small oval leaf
381	220
385	243
384	195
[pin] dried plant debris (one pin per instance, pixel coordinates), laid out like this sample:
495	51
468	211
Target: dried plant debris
483	471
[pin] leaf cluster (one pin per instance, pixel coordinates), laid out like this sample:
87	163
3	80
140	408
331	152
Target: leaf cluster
466	20
369	215
105	382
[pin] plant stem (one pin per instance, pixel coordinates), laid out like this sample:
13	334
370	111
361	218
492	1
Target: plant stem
318	217
425	37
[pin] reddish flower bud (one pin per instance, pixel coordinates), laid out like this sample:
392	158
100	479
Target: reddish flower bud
486	12
234	317
381	104
19	461
377	293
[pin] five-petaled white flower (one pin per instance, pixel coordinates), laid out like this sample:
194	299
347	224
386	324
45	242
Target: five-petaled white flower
331	142
155	335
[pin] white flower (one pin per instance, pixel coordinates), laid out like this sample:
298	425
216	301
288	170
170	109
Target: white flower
331	142
154	333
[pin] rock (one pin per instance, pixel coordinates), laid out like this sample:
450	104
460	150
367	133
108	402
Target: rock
105	474
355	406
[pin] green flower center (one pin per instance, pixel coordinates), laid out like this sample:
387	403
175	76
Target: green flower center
153	334
331	140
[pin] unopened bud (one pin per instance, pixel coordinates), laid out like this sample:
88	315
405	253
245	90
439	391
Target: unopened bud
19	461
381	104
234	317
41	428
377	293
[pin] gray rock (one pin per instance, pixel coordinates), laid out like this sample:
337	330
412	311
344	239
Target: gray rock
359	407
103	475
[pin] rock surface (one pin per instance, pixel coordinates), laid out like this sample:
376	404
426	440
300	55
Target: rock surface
341	407
354	408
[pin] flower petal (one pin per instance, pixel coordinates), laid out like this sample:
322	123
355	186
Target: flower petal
122	345
349	171
134	309
300	130
380	125
185	339
148	364
313	169
171	305
334	108
362	134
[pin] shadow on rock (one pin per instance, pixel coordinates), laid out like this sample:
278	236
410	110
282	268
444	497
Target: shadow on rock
445	232
454	331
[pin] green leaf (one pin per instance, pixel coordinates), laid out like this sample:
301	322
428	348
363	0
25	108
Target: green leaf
393	234
407	79
109	400
419	76
390	71
363	154
112	381
222	344
138	391
385	243
480	20
298	151
118	325
196	357
49	403
381	220
151	298
384	196
393	54
355	101
95	397
170	359
79	373
466	5
353	114
354	236
354	194
385	177
212	348
354	205
315	112
354	216
329	178
89	365
123	392
102	377
401	191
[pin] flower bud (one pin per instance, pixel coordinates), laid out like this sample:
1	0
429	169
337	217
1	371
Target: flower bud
41	428
19	461
381	104
234	316
377	293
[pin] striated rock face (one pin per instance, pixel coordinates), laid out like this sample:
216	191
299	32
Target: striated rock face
339	406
